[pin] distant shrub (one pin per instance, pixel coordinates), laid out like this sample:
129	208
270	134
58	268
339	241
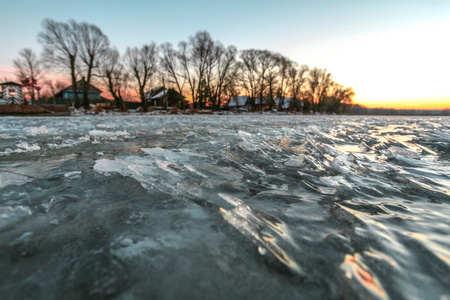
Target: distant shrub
174	111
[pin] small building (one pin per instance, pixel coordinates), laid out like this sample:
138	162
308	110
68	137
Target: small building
65	96
11	93
283	104
156	96
238	103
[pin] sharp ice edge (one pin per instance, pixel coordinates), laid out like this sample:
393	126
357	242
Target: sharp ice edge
159	169
264	230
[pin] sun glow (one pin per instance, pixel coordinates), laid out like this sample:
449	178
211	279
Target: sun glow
406	68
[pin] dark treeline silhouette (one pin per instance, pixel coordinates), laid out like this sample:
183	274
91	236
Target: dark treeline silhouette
357	109
203	71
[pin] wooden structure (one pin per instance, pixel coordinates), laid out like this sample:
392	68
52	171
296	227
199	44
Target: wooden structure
12	93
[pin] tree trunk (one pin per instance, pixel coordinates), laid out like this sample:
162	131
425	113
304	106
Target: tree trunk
74	83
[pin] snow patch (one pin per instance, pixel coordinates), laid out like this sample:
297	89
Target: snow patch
38	130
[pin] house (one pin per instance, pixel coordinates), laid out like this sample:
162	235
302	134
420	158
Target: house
11	93
238	103
65	96
156	96
283	104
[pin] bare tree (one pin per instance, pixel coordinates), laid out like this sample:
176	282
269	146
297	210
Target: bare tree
284	65
203	60
53	87
171	68
93	45
231	86
249	75
28	71
319	83
61	49
197	59
297	79
142	64
114	77
269	73
184	58
339	99
225	58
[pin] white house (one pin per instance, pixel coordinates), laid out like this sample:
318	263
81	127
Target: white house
285	104
239	103
11	93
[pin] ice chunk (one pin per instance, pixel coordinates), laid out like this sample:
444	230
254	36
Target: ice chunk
113	135
7	178
342	164
169	155
25	147
12	214
72	175
264	230
107	166
38	130
295	161
397	151
157	151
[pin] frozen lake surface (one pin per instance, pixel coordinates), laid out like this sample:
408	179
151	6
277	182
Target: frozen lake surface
225	207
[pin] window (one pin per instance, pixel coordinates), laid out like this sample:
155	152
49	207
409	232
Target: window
12	92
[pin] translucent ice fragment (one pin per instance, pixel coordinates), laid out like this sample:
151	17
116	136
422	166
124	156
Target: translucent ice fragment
7	178
267	232
12	214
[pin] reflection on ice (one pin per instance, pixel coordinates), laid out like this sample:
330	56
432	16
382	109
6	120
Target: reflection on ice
355	269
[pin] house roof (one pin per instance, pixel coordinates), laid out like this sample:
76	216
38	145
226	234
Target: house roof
238	101
155	93
10	83
286	103
79	87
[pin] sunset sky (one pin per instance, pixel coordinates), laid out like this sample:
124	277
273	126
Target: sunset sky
395	54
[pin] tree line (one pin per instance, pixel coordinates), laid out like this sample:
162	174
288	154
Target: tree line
201	70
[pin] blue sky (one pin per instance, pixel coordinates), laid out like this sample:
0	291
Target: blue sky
384	49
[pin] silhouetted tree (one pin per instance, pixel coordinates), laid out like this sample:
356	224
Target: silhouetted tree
269	73
174	98
114	76
28	71
142	63
339	99
284	65
296	80
319	83
171	68
225	59
61	49
92	46
52	88
197	60
250	75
